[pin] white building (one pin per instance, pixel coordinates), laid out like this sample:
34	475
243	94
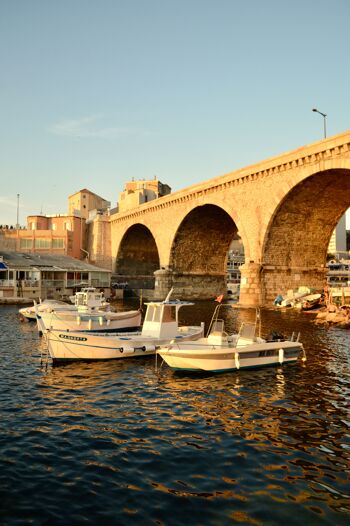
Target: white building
338	240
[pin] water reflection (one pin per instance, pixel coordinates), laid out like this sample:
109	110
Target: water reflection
258	447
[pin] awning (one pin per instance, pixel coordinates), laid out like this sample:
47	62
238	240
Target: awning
2	266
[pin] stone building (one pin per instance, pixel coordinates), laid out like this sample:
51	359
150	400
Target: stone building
141	191
83	202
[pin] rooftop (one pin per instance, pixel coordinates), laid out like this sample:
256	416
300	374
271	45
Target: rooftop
56	262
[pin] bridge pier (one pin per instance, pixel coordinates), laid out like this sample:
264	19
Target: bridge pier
163	283
250	290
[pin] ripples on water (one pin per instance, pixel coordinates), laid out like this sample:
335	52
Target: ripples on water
118	443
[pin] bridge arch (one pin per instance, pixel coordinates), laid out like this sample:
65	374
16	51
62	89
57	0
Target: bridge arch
296	240
199	251
137	258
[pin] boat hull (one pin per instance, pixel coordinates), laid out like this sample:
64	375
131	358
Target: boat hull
68	346
221	359
94	322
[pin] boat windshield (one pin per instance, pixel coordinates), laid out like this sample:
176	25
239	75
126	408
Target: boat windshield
218	326
247	331
161	312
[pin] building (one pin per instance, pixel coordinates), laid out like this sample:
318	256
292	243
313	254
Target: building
139	192
235	259
83	202
85	231
57	234
337	242
47	276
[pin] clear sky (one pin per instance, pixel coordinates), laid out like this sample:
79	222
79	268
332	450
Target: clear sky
95	92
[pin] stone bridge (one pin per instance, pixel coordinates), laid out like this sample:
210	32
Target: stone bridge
284	209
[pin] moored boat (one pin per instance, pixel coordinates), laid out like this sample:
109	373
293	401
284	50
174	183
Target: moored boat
220	352
28	312
310	302
88	314
159	328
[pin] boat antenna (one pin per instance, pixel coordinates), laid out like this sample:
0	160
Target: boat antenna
169	294
258	318
213	318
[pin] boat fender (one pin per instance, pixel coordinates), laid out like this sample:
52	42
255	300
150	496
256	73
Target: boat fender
303	358
108	322
128	349
100	320
237	360
149	348
78	320
90	324
280	356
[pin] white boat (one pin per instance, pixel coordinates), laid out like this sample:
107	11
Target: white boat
220	352
92	293
159	328
87	315
88	297
294	297
310	302
28	312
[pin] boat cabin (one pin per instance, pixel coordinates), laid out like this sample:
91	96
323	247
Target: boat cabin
162	319
89	298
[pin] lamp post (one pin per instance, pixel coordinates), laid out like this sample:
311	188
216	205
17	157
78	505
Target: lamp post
17	226
324	120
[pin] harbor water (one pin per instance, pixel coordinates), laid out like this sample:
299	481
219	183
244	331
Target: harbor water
121	443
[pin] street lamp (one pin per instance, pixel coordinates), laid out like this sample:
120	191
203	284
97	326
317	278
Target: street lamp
17	226
324	120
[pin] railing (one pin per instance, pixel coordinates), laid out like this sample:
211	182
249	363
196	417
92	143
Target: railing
30	283
73	283
7	283
98	283
48	283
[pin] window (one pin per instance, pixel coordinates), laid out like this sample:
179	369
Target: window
53	226
26	243
42	243
58	243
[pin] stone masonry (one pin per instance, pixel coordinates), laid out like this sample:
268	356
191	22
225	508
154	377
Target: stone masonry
284	209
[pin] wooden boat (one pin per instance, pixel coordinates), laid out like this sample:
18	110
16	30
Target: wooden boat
221	352
28	313
294	297
87	297
159	328
310	302
87	315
